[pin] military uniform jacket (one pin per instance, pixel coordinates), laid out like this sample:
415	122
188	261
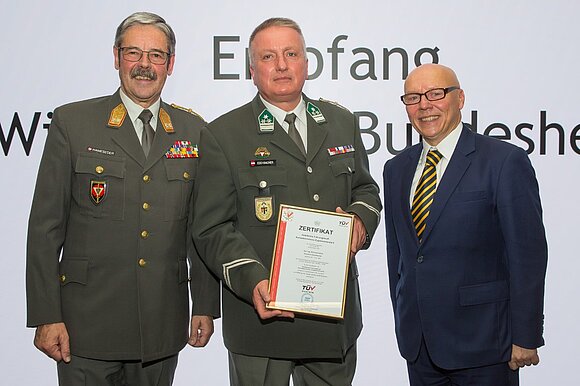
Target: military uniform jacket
120	222
238	246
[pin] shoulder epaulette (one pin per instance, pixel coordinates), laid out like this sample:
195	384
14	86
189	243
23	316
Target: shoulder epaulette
187	110
333	103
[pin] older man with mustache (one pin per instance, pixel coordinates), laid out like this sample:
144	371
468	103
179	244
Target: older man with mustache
107	271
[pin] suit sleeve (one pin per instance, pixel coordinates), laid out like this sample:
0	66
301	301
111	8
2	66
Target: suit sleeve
225	250
365	202
393	251
47	227
520	214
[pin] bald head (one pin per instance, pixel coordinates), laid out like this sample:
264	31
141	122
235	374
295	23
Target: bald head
434	119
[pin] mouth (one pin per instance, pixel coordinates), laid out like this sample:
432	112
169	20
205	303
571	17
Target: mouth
143	74
429	118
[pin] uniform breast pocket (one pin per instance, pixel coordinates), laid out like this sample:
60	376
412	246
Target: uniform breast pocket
180	179
343	169
100	186
261	192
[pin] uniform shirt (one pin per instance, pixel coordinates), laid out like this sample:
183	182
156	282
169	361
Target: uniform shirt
446	147
300	122
134	110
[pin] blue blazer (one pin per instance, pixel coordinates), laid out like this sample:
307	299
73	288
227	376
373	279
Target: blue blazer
475	285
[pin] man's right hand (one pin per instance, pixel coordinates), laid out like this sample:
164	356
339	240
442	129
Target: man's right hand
260	297
52	339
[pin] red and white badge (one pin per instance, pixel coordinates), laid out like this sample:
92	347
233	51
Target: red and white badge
98	191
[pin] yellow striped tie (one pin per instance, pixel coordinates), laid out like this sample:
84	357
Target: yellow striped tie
425	191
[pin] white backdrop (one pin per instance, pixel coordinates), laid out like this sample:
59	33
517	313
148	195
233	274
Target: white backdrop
517	61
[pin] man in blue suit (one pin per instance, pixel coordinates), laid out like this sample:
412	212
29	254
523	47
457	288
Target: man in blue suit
466	246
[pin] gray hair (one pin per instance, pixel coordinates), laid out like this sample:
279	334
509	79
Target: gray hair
146	18
275	22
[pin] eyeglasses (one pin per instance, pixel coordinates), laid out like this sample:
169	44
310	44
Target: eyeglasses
134	54
431	95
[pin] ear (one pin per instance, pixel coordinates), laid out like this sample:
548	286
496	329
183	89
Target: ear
170	63
117	55
461	98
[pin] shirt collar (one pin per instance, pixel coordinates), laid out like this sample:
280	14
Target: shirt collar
447	146
280	115
133	109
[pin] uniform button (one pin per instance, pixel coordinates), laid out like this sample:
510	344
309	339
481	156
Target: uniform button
316	197
420	259
144	234
99	169
186	175
142	262
62	278
146	206
263	184
146	178
309	169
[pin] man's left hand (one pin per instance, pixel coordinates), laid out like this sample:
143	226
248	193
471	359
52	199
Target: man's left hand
201	330
359	234
523	357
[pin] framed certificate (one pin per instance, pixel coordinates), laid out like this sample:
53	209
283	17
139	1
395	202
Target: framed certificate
310	261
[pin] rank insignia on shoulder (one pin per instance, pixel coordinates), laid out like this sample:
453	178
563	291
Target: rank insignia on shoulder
264	208
166	121
340	149
333	103
262	152
315	112
266	121
98	191
182	149
187	110
117	116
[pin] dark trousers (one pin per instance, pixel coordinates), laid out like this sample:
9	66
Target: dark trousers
93	372
260	371
423	372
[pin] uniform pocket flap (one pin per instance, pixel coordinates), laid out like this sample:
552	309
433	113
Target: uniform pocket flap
342	166
492	292
100	166
181	171
73	271
258	176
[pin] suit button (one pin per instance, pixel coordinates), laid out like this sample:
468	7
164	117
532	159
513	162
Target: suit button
309	169
99	169
316	197
146	178
62	278
186	175
420	259
144	234
146	206
142	262
263	184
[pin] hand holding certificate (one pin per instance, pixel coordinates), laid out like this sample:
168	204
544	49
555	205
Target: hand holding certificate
310	263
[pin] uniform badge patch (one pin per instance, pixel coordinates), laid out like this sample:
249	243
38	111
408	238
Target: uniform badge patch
117	116
263	208
262	162
98	191
266	121
182	149
262	152
315	113
340	149
165	121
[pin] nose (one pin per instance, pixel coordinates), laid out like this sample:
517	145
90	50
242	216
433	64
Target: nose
281	64
144	61
424	103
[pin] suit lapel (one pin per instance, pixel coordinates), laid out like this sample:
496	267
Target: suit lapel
317	133
406	181
125	135
456	168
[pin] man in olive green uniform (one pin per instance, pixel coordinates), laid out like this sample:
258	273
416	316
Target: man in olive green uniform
115	309
249	164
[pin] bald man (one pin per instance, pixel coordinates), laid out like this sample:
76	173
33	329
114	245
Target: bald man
466	246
